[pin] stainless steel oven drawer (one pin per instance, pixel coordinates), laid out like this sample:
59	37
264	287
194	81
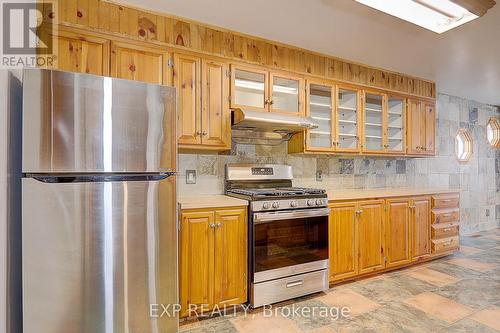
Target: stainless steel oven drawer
290	287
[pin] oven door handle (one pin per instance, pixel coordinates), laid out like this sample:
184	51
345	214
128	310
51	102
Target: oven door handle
289	214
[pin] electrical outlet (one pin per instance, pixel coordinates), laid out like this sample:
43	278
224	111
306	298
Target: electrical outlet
319	176
190	176
487	212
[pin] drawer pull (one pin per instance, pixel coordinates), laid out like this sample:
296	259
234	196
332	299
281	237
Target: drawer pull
446	215
446	200
294	283
447	229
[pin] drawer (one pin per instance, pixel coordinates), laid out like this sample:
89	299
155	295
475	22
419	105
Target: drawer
446	201
445	244
445	230
278	290
445	215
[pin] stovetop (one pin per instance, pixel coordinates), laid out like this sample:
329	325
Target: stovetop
277	193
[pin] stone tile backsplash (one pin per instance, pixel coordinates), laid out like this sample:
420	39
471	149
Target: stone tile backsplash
478	179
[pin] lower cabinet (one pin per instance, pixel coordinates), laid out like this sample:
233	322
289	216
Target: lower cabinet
343	249
213	259
371	236
375	235
356	241
421	228
397	232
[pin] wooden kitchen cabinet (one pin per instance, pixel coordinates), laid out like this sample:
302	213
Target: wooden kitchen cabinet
260	90
82	53
230	257
356	238
421	227
371	236
215	113
140	63
343	248
203	103
421	124
397	232
197	279
213	258
187	81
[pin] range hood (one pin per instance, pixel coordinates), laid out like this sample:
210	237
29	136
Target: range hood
257	127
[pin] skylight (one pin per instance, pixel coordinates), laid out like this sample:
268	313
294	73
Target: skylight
435	15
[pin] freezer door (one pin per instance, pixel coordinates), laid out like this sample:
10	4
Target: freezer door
97	257
75	123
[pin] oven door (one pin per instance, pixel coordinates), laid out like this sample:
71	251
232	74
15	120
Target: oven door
289	242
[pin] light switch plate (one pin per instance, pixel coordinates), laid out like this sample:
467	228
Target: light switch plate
190	176
319	176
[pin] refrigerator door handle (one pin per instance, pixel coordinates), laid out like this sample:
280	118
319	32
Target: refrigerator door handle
90	178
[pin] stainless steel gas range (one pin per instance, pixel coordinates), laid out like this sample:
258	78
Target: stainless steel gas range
288	232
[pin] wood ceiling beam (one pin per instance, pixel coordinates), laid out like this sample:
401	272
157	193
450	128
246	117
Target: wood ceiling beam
478	7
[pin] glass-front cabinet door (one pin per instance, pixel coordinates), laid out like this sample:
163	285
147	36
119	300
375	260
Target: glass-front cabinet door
286	94
395	139
373	131
319	107
347	119
249	88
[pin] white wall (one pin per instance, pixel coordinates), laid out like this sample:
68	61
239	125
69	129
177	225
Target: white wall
3	197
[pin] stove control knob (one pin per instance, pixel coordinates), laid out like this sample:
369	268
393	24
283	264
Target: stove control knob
276	204
266	205
319	202
294	203
310	202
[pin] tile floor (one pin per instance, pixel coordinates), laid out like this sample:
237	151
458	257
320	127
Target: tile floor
459	293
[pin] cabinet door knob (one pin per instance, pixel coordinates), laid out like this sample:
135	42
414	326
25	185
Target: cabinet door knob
218	225
204	133
212	225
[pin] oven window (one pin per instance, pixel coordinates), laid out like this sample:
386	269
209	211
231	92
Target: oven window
291	242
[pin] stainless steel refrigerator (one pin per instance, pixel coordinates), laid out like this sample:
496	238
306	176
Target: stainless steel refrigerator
99	230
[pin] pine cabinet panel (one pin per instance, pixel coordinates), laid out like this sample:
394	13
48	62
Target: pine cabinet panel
421	224
371	236
230	257
197	259
139	63
397	233
187	81
430	129
216	115
213	258
82	53
342	241
421	128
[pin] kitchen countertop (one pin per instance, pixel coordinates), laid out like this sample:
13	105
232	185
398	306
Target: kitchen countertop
356	194
209	201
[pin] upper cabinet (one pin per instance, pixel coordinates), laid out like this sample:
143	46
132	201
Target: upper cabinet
374	122
82	53
319	105
203	103
384	123
348	117
421	127
266	91
140	63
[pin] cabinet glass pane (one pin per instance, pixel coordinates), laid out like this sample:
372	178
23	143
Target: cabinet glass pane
373	122
249	88
285	94
320	109
395	126
347	115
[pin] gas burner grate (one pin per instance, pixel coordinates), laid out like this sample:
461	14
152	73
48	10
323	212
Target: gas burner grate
277	192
